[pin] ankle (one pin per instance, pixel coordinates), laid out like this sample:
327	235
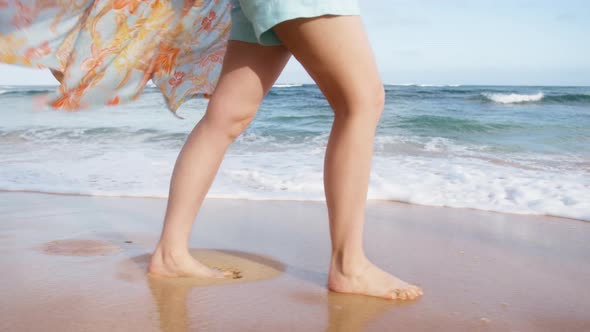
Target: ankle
170	253
348	263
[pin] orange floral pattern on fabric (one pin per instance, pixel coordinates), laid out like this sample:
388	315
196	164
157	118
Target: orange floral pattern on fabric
104	52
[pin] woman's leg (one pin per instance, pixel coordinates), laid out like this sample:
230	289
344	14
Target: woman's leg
249	71
336	53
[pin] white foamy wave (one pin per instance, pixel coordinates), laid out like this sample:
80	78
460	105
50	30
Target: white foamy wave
428	146
286	85
513	98
90	153
438	85
3	91
439	144
434	177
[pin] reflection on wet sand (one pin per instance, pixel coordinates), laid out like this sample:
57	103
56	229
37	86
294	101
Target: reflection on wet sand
171	299
352	313
345	312
170	294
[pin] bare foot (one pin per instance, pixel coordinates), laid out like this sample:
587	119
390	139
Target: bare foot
181	265
368	279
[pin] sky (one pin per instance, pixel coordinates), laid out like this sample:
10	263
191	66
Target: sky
501	42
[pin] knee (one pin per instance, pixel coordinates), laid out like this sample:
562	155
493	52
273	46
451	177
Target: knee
366	103
231	127
237	126
229	121
372	103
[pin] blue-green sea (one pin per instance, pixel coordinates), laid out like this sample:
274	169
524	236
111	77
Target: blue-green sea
518	149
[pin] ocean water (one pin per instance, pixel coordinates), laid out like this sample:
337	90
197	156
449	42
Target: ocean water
499	148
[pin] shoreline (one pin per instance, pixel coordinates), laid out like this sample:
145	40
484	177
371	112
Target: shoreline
285	200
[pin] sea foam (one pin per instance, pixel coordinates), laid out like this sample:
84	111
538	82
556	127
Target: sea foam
513	98
441	146
286	85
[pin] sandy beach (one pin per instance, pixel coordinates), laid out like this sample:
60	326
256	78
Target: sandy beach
77	263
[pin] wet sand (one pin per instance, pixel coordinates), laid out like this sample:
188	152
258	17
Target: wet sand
75	263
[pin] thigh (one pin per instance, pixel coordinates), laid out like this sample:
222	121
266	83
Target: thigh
249	70
336	52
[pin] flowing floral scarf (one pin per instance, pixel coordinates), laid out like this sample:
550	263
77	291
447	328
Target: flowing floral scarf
104	52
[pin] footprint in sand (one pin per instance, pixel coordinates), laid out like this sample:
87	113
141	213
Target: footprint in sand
74	247
243	267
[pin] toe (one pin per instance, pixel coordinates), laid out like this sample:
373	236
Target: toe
219	274
415	290
403	295
419	291
394	294
411	293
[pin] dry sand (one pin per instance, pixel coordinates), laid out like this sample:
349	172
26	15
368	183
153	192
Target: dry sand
74	263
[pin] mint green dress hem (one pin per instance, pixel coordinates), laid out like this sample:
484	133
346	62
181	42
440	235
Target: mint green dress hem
253	20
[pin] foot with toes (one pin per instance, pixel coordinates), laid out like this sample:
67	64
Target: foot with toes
364	278
361	277
182	264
